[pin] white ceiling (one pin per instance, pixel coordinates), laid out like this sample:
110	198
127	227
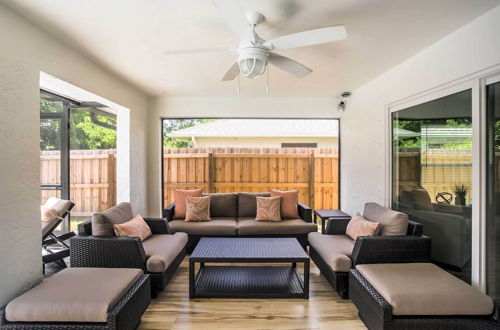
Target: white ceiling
129	36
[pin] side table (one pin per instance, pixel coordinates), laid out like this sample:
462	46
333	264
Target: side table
326	214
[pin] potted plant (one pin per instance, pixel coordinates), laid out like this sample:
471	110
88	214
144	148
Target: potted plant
461	191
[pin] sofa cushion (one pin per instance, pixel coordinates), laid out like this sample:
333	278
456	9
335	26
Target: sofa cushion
248	226
392	223
223	205
161	250
180	201
335	250
75	302
102	222
218	226
289	203
247	203
425	289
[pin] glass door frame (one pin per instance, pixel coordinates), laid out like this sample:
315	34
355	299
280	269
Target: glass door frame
63	117
476	82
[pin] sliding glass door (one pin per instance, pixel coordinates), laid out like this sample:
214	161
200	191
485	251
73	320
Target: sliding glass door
432	175
493	191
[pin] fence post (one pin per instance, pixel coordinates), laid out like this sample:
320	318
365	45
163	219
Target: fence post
111	193
211	167
311	179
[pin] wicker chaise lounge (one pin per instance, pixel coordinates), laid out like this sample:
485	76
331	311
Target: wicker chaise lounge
159	255
417	296
335	253
89	298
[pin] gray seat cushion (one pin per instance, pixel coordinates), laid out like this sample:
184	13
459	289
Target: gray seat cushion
425	289
392	223
247	203
161	250
102	222
223	205
335	250
248	226
218	226
73	295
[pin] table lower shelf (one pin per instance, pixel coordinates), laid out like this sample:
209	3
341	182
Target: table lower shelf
248	282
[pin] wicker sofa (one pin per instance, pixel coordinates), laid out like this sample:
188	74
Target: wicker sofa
233	214
335	253
159	255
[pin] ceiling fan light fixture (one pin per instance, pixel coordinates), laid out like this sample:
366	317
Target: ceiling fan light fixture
252	62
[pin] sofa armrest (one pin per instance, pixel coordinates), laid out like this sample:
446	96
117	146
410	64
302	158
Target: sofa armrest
168	212
305	212
336	226
107	252
391	249
85	228
157	225
415	228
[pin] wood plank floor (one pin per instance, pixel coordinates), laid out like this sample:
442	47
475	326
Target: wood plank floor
324	309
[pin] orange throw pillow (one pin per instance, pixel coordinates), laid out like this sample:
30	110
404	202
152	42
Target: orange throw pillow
268	209
197	208
289	203
180	201
136	227
359	226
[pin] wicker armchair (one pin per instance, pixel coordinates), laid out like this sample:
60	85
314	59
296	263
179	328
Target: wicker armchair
129	252
389	249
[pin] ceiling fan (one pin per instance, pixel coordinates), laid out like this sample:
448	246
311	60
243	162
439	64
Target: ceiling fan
254	53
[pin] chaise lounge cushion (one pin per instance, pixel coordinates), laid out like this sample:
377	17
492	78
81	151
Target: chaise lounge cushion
392	223
102	222
248	226
223	205
425	289
247	203
335	250
73	295
161	250
218	226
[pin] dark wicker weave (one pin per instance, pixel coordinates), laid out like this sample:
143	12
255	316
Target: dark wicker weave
376	312
125	315
120	252
374	249
305	213
248	281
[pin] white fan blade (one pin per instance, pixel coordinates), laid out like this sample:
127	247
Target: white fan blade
196	51
288	65
307	38
235	18
232	72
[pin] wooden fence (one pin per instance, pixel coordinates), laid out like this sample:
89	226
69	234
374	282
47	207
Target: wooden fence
314	172
92	178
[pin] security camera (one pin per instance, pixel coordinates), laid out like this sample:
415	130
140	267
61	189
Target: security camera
343	100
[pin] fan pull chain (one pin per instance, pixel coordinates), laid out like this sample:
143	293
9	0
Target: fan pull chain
238	85
267	80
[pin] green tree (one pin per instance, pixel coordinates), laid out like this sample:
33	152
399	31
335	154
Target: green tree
171	125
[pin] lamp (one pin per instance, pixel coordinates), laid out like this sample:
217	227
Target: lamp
252	62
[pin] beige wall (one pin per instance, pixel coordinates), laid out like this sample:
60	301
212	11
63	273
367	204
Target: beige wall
25	51
262	142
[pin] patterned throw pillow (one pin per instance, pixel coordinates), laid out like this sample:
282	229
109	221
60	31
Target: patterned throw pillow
268	209
359	226
136	227
197	208
289	203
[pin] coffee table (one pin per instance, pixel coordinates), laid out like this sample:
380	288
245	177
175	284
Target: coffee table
248	281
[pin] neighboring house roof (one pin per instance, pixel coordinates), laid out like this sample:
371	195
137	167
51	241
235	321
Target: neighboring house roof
400	132
262	128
